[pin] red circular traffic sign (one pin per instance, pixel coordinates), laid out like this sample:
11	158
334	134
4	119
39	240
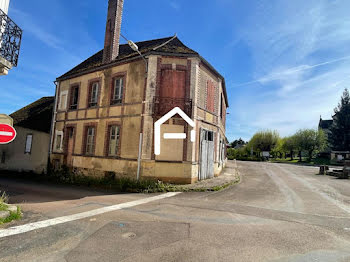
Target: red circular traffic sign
7	134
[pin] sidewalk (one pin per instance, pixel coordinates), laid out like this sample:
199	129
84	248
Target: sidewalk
229	176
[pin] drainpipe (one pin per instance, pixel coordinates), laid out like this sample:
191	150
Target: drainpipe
54	113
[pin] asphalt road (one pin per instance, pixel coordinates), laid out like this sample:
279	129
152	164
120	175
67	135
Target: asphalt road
278	212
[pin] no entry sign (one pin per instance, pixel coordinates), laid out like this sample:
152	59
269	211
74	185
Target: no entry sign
7	134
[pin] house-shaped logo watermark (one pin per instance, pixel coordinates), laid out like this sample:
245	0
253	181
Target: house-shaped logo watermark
165	118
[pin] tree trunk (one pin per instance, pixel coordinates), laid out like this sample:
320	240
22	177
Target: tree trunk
310	154
291	155
300	156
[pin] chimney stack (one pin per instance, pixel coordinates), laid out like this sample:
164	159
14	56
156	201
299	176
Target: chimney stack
113	27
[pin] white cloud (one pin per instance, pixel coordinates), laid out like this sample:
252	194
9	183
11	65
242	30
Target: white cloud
29	25
301	60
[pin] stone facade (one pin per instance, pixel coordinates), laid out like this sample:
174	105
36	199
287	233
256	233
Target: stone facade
137	113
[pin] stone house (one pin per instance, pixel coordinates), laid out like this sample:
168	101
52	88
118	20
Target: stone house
29	152
107	101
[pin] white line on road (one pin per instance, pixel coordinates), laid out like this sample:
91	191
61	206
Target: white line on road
60	220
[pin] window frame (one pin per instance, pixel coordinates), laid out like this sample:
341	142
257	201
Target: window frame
85	139
107	139
58	133
121	76
31	143
117	138
71	96
92	82
62	94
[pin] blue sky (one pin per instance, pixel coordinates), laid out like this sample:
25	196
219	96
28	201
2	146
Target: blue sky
285	62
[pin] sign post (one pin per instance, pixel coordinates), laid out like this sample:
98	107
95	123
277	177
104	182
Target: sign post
7	134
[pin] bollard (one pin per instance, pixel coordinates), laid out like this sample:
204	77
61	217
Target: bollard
323	170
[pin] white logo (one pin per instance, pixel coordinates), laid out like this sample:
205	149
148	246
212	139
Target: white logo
165	118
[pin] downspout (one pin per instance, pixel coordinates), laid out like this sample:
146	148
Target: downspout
53	122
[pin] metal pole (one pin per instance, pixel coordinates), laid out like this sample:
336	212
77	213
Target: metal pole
139	158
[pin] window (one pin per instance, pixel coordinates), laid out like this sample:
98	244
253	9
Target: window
114	133
93	94
117	91
74	97
210	136
90	140
63	100
28	146
58	141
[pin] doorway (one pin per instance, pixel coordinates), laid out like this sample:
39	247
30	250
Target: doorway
206	151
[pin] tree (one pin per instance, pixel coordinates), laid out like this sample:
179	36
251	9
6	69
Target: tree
264	141
310	140
340	130
279	149
289	145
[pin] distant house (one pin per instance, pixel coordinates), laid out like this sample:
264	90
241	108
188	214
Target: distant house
30	150
325	125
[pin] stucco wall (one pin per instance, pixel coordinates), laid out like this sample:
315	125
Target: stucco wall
135	115
17	160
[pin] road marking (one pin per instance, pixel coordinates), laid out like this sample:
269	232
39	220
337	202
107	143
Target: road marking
60	220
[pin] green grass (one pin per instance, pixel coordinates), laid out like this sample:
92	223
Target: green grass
13	216
3	207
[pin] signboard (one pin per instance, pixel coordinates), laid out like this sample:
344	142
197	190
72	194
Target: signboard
266	154
7	134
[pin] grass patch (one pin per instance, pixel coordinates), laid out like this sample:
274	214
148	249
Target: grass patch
3	207
13	216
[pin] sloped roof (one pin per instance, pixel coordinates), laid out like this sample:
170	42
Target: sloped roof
36	116
156	46
325	124
125	52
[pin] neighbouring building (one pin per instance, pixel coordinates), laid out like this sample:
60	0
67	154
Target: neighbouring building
339	156
10	39
325	125
107	101
29	152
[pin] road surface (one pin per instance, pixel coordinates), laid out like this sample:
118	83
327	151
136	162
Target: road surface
278	212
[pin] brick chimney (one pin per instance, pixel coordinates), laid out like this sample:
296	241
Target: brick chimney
113	26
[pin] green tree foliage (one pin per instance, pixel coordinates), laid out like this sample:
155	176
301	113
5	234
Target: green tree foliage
340	129
264	141
279	150
289	145
309	140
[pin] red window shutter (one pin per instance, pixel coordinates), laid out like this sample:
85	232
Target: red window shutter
173	84
210	96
